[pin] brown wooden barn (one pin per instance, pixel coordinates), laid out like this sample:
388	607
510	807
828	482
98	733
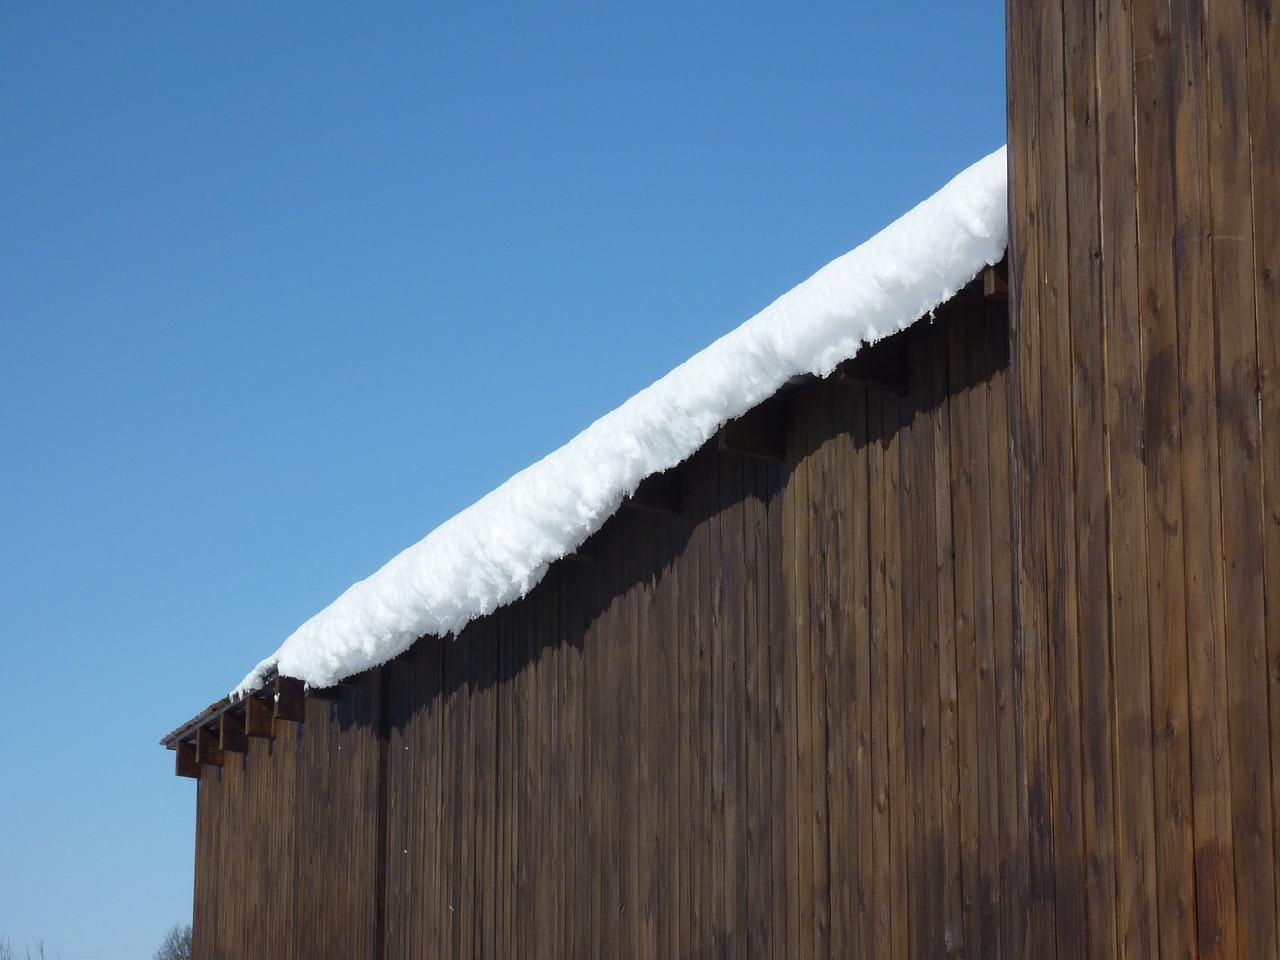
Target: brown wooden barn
969	649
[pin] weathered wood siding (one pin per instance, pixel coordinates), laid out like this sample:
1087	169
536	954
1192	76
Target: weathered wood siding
1145	272
777	723
287	839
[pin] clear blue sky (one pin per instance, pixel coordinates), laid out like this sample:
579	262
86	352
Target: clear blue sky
283	286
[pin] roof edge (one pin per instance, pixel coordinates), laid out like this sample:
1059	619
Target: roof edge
497	550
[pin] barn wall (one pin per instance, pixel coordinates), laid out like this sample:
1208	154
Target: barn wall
776	723
287	847
1145	270
764	727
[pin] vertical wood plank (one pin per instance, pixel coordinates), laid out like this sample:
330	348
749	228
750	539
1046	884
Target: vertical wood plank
814	569
204	915
855	563
622	661
575	908
1055	486
645	654
686	644
1263	56
898	785
779	647
971	529
1091	527
1162	450
738	861
511	711
718	838
1202	542
461	888
1239	438
990	600
695	844
449	790
1136	910
485	772
703	882
614	679
757	714
836	659
433	776
915	522
821	531
1026	32
279	888
665	732
1008	714
802	799
882	891
954	941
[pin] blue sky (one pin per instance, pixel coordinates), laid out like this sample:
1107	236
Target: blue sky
283	286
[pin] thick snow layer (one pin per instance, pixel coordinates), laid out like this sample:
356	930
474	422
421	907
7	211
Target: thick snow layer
496	550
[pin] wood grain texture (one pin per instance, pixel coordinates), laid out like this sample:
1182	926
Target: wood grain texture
1262	23
1030	86
1136	122
1090	524
1239	430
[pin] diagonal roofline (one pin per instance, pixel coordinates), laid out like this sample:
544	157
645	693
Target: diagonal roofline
495	551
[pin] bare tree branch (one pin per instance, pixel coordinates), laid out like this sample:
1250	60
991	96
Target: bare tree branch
176	944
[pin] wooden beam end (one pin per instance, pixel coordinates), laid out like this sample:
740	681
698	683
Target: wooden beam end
659	493
291	699
259	718
884	366
186	764
760	433
995	281
208	750
231	734
331	694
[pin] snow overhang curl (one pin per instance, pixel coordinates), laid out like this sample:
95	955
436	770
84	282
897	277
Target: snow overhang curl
497	550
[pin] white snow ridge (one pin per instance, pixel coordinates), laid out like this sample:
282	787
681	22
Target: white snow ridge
495	551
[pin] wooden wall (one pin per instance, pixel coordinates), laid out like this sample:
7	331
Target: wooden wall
778	722
287	849
1145	276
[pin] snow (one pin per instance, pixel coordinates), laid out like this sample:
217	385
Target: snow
498	549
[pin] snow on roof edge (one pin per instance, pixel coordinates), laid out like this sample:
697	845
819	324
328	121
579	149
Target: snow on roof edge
498	549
